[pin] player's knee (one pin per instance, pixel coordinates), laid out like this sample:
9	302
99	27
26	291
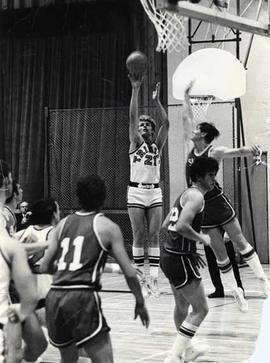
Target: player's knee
33	351
139	235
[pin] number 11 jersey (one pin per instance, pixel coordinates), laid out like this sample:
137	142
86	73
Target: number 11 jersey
81	256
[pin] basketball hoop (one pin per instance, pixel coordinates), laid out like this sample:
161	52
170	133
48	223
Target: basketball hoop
170	27
199	105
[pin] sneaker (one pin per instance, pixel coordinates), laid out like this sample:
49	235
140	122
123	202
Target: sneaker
193	352
265	287
173	359
146	290
154	287
216	293
240	299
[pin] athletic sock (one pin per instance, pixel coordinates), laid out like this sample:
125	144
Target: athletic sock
184	335
227	273
154	257
251	258
138	256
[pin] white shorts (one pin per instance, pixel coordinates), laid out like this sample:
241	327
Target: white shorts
144	198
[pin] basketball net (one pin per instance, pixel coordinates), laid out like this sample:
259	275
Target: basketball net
199	105
170	27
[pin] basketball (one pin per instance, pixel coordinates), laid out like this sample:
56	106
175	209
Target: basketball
136	63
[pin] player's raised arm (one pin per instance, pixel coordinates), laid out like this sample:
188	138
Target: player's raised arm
163	117
134	136
188	113
223	152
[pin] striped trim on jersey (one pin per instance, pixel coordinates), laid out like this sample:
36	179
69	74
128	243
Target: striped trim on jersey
96	232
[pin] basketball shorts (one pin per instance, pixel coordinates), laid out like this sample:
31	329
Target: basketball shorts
217	212
74	316
180	270
144	198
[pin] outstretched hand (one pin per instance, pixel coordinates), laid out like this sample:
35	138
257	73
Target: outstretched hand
30	238
198	260
156	92
189	87
136	79
256	150
142	312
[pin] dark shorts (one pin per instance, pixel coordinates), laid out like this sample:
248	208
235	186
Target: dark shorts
180	270
217	212
74	316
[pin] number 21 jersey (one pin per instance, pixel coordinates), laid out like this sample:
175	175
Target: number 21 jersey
145	164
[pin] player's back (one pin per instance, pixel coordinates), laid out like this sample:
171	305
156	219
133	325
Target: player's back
81	255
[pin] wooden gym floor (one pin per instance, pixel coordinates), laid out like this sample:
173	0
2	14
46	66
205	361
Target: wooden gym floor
230	333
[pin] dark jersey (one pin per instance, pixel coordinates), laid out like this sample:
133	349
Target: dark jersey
176	243
217	190
81	255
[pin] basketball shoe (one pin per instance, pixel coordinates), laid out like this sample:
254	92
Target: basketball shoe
265	287
173	359
154	286
193	352
146	289
238	294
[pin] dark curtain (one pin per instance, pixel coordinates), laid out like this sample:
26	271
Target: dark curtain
67	57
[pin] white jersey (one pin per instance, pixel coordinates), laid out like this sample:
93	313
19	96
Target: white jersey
40	235
145	164
4	284
43	280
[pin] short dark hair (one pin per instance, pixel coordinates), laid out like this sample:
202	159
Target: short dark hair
201	166
210	130
15	190
4	171
149	119
91	192
42	211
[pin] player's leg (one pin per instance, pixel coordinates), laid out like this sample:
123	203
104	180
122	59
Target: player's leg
225	266
69	354
192	294
154	219
99	349
248	253
231	254
180	308
214	273
34	338
137	220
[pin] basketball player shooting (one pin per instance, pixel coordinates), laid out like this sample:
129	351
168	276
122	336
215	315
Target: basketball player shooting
144	193
219	213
